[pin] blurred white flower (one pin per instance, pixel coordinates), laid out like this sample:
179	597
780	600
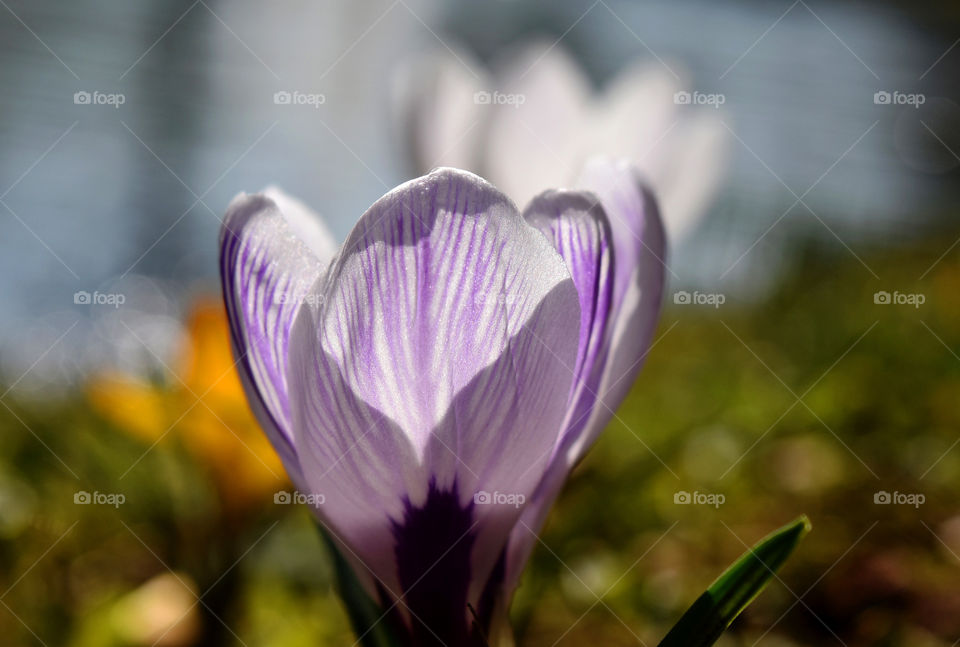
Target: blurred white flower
537	119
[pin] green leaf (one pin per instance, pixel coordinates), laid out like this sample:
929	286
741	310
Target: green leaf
366	616
712	613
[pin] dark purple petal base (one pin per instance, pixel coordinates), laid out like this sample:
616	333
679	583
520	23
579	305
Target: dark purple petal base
433	547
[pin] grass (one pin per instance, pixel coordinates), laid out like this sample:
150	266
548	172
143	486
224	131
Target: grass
810	402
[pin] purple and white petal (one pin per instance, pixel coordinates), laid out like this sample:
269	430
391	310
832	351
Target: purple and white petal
272	250
304	223
576	225
640	249
637	280
437	365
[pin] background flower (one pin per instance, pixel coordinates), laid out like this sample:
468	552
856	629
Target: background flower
200	405
536	119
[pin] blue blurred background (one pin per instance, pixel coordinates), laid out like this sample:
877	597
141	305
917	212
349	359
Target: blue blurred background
96	195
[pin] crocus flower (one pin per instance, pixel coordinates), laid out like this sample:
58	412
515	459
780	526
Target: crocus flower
534	120
436	378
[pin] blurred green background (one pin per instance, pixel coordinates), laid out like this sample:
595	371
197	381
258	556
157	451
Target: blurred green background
717	403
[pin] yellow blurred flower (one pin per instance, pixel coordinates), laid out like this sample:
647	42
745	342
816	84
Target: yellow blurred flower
203	405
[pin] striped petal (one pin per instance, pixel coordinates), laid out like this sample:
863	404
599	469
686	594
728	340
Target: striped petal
635	285
576	225
640	249
437	366
272	250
